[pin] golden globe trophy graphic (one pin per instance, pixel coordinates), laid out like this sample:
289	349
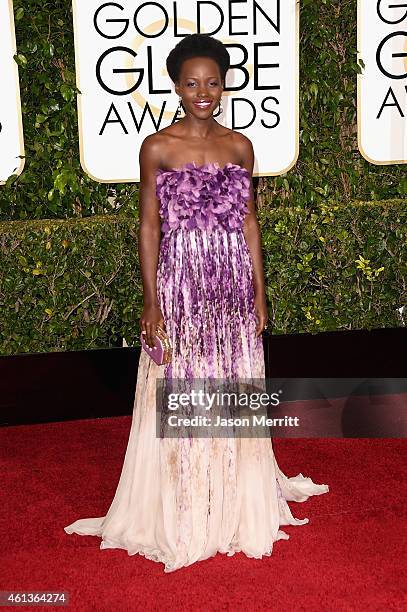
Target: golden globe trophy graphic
126	93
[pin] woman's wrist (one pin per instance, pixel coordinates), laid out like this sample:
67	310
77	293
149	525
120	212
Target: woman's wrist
151	303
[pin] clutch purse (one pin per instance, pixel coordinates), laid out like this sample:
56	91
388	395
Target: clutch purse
161	352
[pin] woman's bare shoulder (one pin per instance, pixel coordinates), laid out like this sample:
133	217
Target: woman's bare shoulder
156	144
241	139
237	138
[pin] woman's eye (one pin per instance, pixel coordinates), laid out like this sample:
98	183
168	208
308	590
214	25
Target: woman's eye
214	83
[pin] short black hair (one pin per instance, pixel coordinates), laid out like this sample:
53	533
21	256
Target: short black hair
197	45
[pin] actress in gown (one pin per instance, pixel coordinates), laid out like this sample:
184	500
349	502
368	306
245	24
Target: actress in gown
182	500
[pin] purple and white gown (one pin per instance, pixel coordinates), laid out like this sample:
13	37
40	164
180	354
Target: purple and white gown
182	500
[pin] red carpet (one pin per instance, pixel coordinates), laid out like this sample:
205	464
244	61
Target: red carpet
351	555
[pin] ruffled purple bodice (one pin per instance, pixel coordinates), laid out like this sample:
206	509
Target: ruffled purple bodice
203	197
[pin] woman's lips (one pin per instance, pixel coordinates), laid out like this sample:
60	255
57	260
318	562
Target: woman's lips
203	105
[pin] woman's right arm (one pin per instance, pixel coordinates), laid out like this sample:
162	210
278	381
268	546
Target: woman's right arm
149	236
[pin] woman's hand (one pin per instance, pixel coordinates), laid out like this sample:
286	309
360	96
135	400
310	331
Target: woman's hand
260	307
151	317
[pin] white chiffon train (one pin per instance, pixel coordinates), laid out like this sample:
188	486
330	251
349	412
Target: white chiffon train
179	501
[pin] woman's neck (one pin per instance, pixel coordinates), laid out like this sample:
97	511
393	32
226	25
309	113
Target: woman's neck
199	128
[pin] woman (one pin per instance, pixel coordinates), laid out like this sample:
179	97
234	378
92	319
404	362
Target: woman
181	500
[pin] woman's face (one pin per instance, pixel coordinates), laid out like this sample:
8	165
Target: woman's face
200	81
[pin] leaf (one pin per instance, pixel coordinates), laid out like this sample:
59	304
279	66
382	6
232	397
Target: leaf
21	60
67	92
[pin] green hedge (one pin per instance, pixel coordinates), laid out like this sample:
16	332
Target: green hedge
75	284
329	169
67	284
341	267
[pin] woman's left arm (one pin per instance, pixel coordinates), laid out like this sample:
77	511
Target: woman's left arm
252	235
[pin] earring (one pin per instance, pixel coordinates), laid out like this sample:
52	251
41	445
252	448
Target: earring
220	106
179	109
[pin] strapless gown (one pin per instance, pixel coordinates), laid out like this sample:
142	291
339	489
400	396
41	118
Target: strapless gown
182	500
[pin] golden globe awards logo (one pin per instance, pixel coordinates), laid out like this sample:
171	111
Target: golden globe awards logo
382	85
126	93
11	131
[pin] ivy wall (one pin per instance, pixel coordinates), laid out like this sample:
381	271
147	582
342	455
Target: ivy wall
333	228
329	169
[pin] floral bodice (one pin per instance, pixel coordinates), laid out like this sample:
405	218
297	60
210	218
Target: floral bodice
204	197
